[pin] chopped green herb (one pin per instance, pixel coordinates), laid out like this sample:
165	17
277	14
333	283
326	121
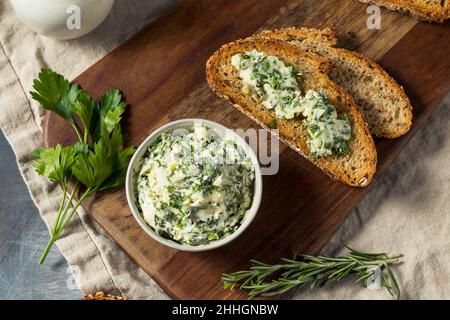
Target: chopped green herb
273	124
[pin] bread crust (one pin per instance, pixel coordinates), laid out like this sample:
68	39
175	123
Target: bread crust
417	8
358	167
316	40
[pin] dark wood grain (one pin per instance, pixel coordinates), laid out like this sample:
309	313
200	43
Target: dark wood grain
161	72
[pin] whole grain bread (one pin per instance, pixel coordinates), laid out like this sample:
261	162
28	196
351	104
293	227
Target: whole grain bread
425	10
358	166
384	104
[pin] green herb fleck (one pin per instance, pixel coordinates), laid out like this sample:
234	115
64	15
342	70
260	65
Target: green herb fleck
273	124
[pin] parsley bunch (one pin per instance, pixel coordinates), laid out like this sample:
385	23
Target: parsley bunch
97	161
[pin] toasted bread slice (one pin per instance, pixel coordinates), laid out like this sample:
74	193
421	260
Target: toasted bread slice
384	104
425	10
358	166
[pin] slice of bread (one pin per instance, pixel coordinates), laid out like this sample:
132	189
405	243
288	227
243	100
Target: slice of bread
384	105
425	10
358	166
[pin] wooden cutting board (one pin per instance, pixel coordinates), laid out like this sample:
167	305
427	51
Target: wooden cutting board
161	72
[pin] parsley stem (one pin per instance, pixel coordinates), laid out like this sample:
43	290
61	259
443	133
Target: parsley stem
64	223
47	250
66	208
63	200
77	130
59	220
86	136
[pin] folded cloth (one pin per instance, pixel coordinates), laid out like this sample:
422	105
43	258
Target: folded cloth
407	210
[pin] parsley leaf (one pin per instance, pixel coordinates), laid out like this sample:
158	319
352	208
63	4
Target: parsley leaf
55	93
110	113
54	163
81	147
95	166
84	109
117	178
121	158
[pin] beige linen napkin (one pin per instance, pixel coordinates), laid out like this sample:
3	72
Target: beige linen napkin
406	211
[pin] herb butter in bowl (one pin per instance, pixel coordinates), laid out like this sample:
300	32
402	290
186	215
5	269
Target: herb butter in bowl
194	185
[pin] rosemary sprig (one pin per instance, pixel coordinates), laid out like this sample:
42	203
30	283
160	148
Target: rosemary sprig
267	280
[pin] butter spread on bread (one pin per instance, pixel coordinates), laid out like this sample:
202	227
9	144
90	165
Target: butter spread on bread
275	85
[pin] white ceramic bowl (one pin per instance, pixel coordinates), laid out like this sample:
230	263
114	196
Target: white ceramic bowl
136	163
54	18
